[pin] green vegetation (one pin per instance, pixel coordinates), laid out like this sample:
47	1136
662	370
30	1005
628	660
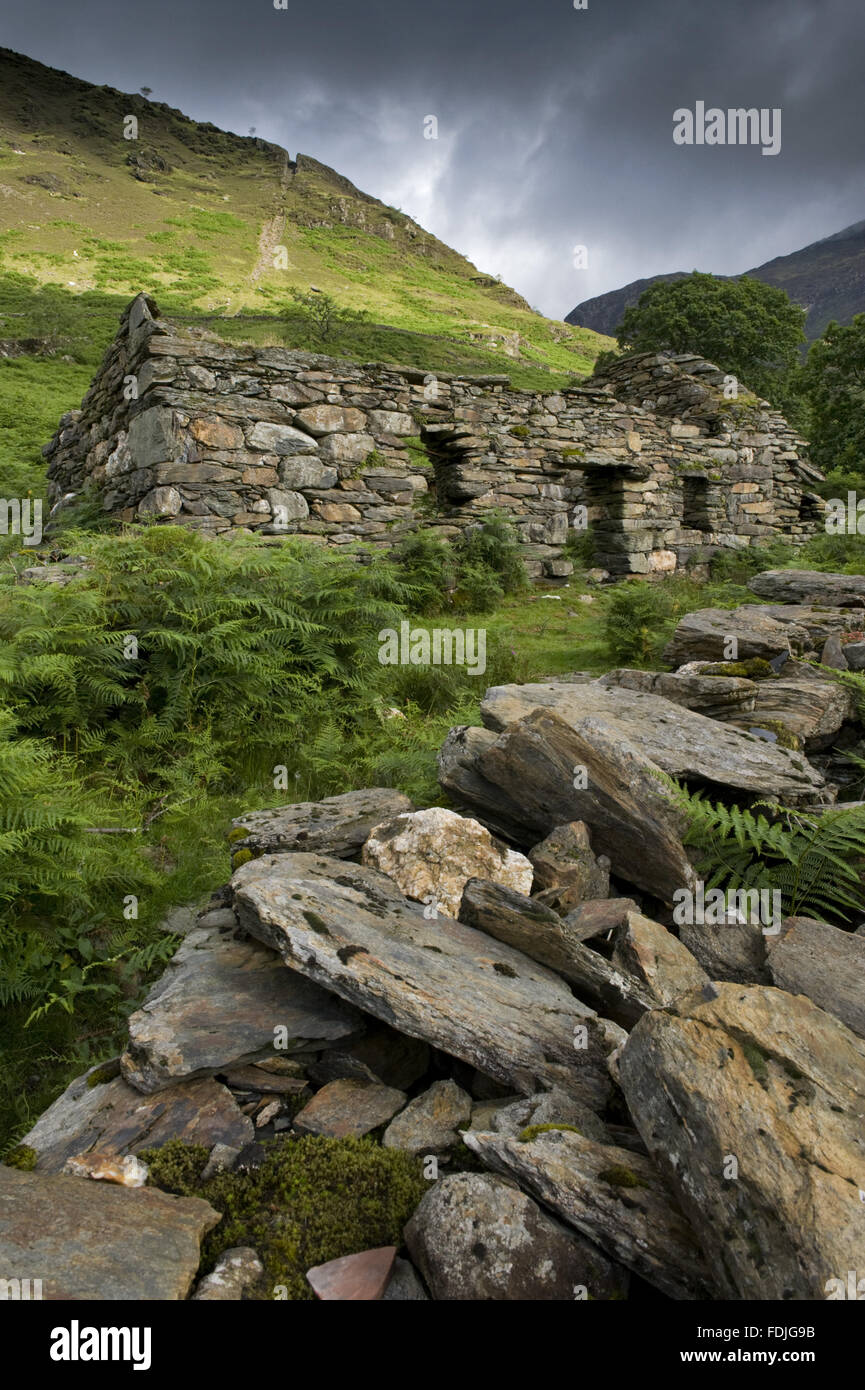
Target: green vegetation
814	859
219	225
751	330
834	379
532	1131
620	1176
311	1200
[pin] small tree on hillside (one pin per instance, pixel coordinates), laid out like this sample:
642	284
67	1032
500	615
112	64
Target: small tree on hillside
321	313
751	330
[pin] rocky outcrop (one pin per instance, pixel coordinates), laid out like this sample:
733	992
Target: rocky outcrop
615	1198
338	825
551	773
109	1116
567	872
811	587
680	741
740	634
751	1104
219	1003
824	963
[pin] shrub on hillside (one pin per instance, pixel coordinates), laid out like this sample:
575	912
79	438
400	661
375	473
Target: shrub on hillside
637	623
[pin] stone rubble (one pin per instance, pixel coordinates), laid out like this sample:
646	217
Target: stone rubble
679	1104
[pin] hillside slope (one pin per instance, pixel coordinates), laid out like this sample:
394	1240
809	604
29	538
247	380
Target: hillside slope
219	224
827	278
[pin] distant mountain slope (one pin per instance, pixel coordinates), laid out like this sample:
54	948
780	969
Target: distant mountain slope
220	223
826	278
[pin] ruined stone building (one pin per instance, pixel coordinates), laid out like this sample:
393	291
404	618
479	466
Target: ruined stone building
214	435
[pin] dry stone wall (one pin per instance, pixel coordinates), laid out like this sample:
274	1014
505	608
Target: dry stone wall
219	436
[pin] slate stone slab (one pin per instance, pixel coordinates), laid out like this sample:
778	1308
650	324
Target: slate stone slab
218	1005
616	1198
680	741
768	1080
347	927
90	1240
338	825
826	964
112	1117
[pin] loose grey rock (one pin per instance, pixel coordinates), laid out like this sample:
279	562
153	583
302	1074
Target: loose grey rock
338	825
547	1108
769	1082
826	964
429	1123
91	1240
219	1004
713	696
349	1107
236	1273
808	703
567	872
704	635
833	653
347	926
810	587
615	1198
618	793
431	854
112	1117
223	1158
405	1285
477	1237
680	741
663	965
598	918
728	951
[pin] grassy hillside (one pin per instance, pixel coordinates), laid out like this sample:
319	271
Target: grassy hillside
197	217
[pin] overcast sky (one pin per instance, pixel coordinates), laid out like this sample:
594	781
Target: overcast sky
555	125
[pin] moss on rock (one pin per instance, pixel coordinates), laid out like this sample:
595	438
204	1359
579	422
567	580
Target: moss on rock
620	1176
754	668
532	1131
23	1157
312	1200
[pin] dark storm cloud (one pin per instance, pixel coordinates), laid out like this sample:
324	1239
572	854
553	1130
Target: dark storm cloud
555	125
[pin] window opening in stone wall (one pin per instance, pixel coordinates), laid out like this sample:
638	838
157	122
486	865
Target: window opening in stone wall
695	504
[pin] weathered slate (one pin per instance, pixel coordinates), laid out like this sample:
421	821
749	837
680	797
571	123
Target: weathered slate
477	1238
810	587
218	1004
91	1240
682	742
112	1117
532	928
338	825
665	968
704	635
752	1106
615	1197
630	813
347	927
826	964
598	918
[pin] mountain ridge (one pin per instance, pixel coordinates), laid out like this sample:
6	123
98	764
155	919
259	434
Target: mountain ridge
827	281
107	192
